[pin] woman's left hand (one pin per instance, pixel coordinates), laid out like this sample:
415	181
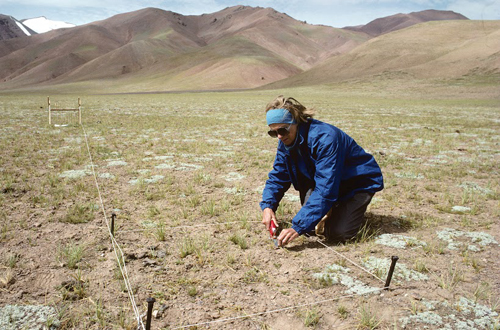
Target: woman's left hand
286	236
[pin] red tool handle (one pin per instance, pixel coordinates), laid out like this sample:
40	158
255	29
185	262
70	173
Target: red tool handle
272	229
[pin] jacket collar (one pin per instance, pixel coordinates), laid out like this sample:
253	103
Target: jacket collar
299	139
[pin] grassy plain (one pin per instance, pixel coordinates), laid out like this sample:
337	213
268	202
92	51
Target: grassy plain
184	173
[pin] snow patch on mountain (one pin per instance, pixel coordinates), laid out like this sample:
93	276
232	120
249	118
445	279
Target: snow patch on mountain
21	26
42	24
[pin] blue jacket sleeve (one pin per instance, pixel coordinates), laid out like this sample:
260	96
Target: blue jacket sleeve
328	150
277	184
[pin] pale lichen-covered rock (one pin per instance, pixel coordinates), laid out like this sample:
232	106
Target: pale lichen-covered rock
336	274
28	317
462	315
398	241
401	272
451	235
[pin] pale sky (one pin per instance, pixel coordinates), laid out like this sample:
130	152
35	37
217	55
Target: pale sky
336	13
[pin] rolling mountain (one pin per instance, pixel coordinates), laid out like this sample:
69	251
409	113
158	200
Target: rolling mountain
396	22
446	49
238	47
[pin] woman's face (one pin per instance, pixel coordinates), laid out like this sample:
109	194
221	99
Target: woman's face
289	138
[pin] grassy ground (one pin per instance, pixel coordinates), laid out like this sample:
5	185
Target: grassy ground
184	173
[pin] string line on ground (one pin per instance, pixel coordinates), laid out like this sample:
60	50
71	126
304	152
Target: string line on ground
185	226
229	319
352	262
116	247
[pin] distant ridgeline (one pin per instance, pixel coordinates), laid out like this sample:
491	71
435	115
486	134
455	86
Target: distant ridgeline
241	47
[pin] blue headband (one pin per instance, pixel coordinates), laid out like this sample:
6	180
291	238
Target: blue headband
279	116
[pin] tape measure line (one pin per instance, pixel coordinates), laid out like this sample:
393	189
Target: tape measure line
116	247
229	319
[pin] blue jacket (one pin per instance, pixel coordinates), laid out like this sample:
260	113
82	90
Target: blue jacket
329	161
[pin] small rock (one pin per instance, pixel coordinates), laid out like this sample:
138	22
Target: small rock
161	254
19	295
461	209
37	225
416	297
149	262
445	294
130	256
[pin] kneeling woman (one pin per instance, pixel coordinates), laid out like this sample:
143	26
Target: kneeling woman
336	178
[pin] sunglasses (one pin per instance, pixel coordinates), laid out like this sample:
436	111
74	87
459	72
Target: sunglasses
283	131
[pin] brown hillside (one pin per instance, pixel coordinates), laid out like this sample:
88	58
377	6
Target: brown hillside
447	49
396	22
254	46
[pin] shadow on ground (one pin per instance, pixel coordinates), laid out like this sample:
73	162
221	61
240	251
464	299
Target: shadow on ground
387	224
376	224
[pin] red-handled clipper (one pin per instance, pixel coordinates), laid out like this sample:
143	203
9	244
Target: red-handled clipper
273	232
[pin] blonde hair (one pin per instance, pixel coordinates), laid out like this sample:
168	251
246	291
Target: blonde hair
298	111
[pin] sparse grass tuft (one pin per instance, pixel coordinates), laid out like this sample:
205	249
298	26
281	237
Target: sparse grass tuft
192	291
79	214
187	247
470	260
367	319
482	292
153	211
70	255
343	312
230	258
254	275
451	278
434	247
239	240
100	314
160	231
311	317
366	233
210	208
74	289
415	307
11	260
420	266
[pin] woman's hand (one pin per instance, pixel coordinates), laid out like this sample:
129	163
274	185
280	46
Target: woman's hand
286	236
268	216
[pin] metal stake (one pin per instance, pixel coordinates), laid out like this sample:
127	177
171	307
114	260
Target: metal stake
79	111
391	270
113	216
150	301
